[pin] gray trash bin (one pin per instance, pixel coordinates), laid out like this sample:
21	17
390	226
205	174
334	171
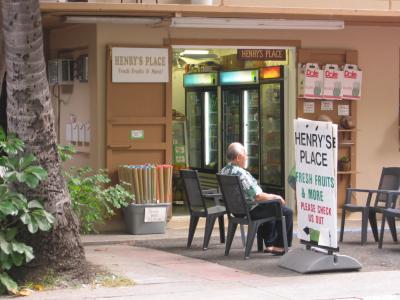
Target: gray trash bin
134	216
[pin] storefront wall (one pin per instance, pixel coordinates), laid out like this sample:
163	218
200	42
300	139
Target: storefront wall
378	56
79	99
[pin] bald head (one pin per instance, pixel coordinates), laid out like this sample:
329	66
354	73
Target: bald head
234	150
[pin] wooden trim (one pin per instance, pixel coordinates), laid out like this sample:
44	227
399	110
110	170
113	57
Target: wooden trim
73	49
138	146
53	13
108	78
303	56
233	42
149	146
130	45
130	121
168	111
212	10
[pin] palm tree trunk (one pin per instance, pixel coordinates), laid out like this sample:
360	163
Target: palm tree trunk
30	116
3	97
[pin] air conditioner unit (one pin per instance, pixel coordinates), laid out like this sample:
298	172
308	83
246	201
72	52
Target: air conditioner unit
60	71
82	68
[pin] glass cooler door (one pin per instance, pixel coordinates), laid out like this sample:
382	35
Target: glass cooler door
193	114
271	138
251	139
210	130
231	119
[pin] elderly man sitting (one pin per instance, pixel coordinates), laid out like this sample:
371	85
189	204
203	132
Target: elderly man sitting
271	231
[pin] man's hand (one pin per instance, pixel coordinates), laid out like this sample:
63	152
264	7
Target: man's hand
280	198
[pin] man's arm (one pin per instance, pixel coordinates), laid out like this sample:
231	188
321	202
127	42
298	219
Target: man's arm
265	196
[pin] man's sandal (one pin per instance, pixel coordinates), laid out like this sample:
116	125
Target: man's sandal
274	251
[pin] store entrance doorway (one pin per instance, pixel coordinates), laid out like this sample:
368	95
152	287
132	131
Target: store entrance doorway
223	94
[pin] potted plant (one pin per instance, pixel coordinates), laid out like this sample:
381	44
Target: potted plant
344	163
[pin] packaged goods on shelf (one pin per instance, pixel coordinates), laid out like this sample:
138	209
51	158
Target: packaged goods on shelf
352	79
333	78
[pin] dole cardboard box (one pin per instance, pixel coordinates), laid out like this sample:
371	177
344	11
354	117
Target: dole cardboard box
352	78
310	78
333	78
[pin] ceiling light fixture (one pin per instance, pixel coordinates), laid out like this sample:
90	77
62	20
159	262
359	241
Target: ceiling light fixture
194	52
112	20
197	54
241	23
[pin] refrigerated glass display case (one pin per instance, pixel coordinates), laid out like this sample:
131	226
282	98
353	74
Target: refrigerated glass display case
272	128
202	120
240	114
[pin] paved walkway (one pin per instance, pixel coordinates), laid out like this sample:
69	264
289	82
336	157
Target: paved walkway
163	275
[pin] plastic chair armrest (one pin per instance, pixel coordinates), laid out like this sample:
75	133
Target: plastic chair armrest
209	191
216	197
371	190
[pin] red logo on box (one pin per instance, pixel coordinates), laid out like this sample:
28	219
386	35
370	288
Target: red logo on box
312	73
330	74
350	74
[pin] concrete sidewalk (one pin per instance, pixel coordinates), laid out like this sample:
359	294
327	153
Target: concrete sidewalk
164	275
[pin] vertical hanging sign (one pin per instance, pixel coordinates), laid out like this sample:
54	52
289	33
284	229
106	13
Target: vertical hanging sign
316	183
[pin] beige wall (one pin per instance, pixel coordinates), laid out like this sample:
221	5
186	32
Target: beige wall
378	56
81	98
378	50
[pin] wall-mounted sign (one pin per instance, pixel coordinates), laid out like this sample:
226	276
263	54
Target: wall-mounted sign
179	155
326	105
139	65
155	214
308	107
261	54
137	134
316	183
343	110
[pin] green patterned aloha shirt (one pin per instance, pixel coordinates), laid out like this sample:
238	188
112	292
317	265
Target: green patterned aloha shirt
249	183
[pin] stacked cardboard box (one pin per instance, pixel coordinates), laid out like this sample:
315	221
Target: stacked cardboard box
330	82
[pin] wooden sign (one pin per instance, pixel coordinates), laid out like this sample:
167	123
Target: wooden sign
139	65
261	54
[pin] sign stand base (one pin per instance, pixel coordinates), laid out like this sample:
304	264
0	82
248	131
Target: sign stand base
313	260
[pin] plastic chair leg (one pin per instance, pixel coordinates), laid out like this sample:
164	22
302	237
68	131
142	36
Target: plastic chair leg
243	235
382	232
210	221
192	228
364	227
284	234
392	226
221	229
231	233
260	241
251	233
374	226
342	225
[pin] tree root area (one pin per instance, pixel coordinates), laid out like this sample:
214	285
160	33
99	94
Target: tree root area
50	279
